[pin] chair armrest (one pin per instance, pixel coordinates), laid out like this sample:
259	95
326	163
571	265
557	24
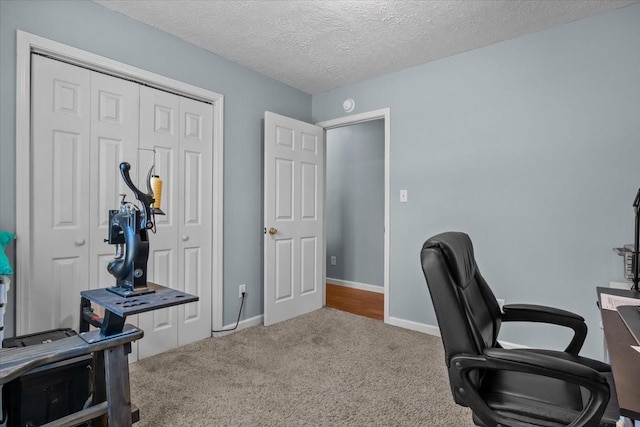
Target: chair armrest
533	363
550	315
546	365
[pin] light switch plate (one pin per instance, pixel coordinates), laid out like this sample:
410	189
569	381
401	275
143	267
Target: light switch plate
404	196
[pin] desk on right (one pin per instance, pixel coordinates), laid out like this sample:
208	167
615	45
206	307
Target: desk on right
624	360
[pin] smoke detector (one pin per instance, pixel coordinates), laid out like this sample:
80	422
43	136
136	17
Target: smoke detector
348	105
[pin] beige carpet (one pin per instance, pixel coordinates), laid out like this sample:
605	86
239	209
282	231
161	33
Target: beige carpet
326	368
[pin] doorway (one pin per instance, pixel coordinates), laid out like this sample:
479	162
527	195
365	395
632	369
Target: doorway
357	214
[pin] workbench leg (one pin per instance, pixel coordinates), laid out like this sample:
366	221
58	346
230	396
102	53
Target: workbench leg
118	392
99	387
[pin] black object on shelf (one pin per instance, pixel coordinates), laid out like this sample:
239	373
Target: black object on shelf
38	338
49	392
636	251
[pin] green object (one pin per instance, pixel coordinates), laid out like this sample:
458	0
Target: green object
5	238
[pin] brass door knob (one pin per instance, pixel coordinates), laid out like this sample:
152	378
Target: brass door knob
272	230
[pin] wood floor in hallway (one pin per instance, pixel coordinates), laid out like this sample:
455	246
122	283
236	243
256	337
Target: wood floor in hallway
356	301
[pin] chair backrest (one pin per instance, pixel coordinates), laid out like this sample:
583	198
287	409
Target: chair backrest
468	314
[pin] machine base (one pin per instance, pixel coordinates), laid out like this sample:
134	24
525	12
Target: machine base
128	292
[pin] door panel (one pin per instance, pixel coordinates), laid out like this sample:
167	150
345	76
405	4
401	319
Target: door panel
192	284
308	283
159	131
284	189
284	261
309	191
194	216
60	156
115	105
294	191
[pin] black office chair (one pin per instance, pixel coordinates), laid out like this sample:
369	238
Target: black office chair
509	387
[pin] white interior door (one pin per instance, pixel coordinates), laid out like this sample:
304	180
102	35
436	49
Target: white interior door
60	195
194	218
159	127
115	106
293	217
114	139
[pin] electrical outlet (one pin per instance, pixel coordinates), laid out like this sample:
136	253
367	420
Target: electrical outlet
500	303
242	290
333	260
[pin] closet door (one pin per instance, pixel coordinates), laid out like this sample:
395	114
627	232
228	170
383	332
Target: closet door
115	107
84	125
194	218
159	131
180	132
60	226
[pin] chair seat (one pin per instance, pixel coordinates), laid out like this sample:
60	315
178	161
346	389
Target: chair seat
540	401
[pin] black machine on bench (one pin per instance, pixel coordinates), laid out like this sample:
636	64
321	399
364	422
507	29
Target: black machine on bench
110	344
128	230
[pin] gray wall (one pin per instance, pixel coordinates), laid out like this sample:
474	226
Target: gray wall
355	202
532	146
248	94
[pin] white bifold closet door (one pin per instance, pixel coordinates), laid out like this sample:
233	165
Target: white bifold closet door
60	220
84	124
180	132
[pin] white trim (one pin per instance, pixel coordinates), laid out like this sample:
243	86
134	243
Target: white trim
217	224
355	285
435	330
415	326
244	324
23	172
28	43
384	113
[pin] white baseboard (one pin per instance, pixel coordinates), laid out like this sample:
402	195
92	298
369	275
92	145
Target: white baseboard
395	321
356	285
244	324
414	326
435	331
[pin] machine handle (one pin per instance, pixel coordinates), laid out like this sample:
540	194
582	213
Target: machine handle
146	199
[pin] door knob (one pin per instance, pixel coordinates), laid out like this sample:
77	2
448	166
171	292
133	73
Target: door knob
79	242
272	231
185	238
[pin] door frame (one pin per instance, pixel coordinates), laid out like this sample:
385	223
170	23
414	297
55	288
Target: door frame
384	114
29	43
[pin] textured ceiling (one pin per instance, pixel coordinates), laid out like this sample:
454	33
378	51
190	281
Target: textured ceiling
318	45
